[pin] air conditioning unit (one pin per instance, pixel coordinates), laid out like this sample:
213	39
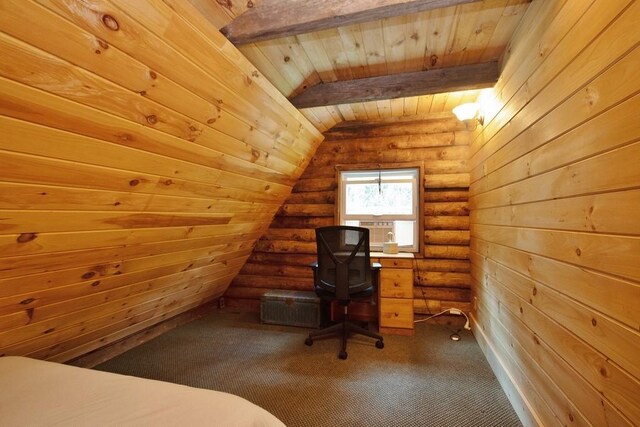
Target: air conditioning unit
378	230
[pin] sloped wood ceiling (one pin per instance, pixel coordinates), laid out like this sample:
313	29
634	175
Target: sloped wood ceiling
141	156
465	34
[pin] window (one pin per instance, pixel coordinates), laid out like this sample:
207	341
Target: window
384	201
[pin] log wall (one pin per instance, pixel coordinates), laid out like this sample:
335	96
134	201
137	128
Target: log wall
555	216
281	257
141	156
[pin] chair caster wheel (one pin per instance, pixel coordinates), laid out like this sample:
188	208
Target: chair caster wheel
379	344
308	341
342	355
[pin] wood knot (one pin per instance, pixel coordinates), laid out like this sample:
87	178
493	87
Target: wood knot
27	301
167	182
287	59
255	154
603	371
433	60
255	74
88	275
96	283
225	3
117	204
110	22
249	4
594	322
153	74
212	120
103	44
26	237
134	182
152	119
415	36
48	331
578	251
535	291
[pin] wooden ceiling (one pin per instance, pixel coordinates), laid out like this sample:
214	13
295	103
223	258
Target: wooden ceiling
465	34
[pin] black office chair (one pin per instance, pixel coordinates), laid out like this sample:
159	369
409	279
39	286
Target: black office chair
343	272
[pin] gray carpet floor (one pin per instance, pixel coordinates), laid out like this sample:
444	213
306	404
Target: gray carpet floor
424	380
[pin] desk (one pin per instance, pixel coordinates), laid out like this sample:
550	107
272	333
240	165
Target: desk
395	294
394	310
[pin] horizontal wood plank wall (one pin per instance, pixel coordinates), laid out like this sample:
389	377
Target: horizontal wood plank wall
555	216
141	157
281	257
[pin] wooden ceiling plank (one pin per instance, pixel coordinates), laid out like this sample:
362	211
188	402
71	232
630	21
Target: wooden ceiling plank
353	42
440	25
280	18
373	39
397	107
465	77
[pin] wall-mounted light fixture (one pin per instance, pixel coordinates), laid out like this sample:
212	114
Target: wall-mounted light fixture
469	112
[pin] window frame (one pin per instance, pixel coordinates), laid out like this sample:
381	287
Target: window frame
392	166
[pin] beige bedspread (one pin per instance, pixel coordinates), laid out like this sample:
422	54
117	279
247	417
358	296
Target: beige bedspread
37	393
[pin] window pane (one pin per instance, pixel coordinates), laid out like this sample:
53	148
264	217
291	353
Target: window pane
404	232
372	199
383	201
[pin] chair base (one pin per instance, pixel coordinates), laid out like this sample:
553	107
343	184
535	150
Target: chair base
344	328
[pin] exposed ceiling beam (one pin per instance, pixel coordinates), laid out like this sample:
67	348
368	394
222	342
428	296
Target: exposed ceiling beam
464	77
280	18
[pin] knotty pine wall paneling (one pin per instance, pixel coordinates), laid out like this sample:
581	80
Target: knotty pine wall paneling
141	157
555	217
281	257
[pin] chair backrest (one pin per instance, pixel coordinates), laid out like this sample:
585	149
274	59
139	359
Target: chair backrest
344	265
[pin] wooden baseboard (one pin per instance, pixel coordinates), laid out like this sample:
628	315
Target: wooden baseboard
112	350
519	402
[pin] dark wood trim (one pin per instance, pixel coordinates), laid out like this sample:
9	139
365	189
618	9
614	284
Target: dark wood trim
274	19
464	77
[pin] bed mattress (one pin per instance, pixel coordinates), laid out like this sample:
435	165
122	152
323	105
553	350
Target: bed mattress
38	393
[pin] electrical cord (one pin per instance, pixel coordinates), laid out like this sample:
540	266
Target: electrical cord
431	317
424	296
451	311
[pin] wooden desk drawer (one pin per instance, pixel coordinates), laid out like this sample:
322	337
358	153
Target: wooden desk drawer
396	263
396	313
396	283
